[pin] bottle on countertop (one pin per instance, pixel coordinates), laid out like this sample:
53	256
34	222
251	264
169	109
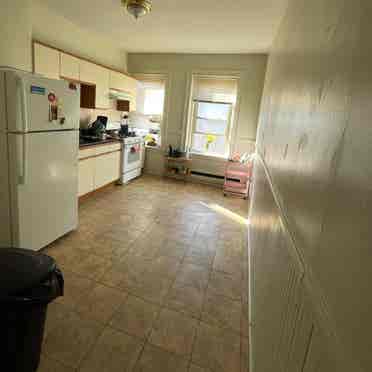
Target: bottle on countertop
125	119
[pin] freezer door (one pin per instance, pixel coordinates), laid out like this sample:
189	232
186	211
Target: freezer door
44	187
36	104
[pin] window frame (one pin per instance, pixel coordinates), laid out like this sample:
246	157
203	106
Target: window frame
226	135
189	117
143	76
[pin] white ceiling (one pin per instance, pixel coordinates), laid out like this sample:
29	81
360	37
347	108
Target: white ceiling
176	26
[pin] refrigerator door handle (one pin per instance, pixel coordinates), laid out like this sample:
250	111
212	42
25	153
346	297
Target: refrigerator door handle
23	176
21	92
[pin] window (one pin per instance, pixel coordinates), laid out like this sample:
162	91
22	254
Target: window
153	100
212	109
149	114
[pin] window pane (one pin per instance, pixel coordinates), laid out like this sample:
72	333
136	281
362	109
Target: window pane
208	144
154	102
211	126
214	111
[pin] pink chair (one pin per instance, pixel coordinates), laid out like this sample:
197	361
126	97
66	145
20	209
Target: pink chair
237	178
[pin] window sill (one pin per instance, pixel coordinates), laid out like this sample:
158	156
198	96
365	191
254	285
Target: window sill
208	156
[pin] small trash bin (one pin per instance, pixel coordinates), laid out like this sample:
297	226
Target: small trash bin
29	281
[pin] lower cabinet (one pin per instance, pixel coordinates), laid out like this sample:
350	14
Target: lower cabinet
98	167
107	169
86	175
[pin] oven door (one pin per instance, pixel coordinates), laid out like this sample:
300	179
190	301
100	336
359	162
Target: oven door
132	157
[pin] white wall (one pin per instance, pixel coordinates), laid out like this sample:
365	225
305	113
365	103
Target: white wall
24	20
179	68
53	29
15	34
312	193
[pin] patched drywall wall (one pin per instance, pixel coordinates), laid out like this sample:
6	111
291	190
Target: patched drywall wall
315	143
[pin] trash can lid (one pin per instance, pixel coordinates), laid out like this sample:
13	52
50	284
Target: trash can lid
22	269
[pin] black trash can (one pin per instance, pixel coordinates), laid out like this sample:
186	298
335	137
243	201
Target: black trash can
29	281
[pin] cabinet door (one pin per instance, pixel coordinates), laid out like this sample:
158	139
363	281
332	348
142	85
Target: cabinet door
86	176
133	104
70	67
132	85
88	72
107	168
46	61
125	84
102	87
116	80
132	89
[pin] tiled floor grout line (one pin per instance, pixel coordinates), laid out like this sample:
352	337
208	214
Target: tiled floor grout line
200	316
147	338
163	223
58	361
161	308
130	292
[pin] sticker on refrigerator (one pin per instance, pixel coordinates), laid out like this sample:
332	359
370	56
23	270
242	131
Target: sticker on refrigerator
37	90
52	97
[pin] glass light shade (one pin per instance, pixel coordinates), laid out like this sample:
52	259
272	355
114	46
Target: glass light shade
137	8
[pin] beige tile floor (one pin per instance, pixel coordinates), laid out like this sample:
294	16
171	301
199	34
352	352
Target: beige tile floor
155	280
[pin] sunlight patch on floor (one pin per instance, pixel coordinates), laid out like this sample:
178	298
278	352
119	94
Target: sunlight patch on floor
227	213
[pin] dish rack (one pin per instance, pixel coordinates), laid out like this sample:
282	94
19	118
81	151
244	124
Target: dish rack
237	178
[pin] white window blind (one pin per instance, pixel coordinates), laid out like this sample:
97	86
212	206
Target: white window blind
150	97
215	89
213	102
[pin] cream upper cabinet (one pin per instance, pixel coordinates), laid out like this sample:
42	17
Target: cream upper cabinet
46	61
102	87
133	103
70	67
116	80
99	76
54	64
132	83
125	84
88	72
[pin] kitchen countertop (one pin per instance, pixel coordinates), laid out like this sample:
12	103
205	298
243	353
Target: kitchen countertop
98	143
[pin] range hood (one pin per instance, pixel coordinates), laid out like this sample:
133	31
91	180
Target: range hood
119	94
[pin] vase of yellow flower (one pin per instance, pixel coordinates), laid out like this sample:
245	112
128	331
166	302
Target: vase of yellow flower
210	139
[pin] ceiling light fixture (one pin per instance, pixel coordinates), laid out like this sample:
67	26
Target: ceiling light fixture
137	8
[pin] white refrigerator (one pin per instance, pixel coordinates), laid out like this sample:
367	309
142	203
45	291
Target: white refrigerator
39	141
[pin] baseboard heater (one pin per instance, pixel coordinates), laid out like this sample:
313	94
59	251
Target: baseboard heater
214	176
202	174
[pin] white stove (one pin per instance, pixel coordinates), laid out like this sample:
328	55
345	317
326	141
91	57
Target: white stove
131	140
133	156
